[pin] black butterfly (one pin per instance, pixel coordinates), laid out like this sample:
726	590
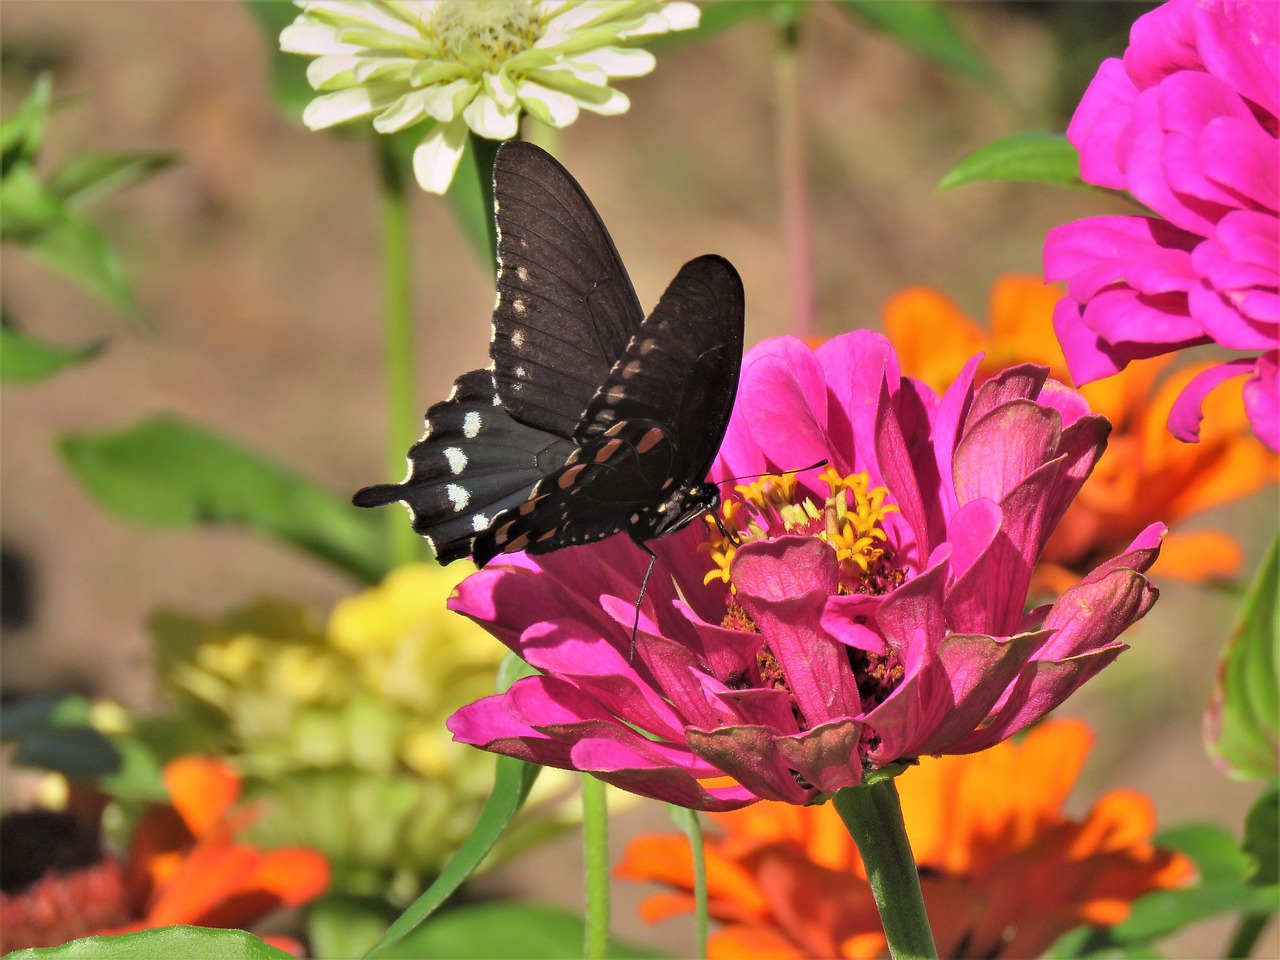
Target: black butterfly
591	419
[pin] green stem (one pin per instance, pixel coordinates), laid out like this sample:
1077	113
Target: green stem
689	824
484	152
793	177
872	814
1247	933
397	295
595	860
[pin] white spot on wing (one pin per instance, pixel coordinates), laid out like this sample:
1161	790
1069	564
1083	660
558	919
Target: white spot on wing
523	274
457	459
471	425
479	523
522	373
517	338
519	307
458	496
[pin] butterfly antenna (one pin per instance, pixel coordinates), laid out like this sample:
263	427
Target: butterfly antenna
644	584
782	473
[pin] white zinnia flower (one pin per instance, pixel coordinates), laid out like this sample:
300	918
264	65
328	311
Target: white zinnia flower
471	64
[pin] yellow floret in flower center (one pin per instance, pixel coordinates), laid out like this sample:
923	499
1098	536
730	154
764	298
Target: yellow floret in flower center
495	29
851	519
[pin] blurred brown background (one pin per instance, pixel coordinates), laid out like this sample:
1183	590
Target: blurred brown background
256	262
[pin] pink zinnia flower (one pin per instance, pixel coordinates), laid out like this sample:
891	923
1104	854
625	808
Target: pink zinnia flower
871	615
1187	123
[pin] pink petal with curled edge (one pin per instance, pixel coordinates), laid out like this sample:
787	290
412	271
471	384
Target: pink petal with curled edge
784	396
854	365
1082	445
1185	415
567	649
1041	686
914	612
1262	399
1099	122
971	532
1222	320
1237	154
1139	555
1240	42
952	411
1092	254
1141	326
898	474
684	682
1225	264
634	768
1069	403
1090	615
1148	152
1022	382
826	756
979	670
850	619
1190	102
762	707
784	584
1004	447
1089	357
1160	43
750	755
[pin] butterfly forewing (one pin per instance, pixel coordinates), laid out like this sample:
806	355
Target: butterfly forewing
681	368
566	309
473	462
591	420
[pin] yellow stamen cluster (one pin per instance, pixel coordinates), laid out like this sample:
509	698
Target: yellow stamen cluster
491	30
851	519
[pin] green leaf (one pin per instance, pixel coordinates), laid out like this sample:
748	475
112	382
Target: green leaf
1215	852
41	224
504	930
1242	722
21	133
28	359
169	472
97	174
1032	157
926	28
1262	836
162	943
1164	912
289	83
510	789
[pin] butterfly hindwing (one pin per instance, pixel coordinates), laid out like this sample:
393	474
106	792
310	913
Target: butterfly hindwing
566	309
473	462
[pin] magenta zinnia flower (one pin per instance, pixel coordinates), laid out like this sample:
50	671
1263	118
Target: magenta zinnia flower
1187	123
870	615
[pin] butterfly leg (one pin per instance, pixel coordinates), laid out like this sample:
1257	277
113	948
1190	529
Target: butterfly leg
644	584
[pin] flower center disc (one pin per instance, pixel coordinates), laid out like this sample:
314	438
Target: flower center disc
496	29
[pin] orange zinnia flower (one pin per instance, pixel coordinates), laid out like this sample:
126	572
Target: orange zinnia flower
1145	475
1004	872
184	866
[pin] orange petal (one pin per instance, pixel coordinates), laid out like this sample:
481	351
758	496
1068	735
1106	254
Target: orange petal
201	789
1198	555
663	905
752	943
932	335
293	875
1022	324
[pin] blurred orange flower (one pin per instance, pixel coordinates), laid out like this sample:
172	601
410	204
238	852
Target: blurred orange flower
184	866
1146	474
1004	872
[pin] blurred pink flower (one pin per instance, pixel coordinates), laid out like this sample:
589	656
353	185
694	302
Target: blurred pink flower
1187	123
845	630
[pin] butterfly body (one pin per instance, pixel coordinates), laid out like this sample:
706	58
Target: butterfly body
591	419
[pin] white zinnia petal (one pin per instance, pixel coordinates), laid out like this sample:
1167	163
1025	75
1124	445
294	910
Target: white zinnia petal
445	102
490	119
332	72
436	158
361	13
618	62
617	103
313	39
344	105
407	110
550	106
